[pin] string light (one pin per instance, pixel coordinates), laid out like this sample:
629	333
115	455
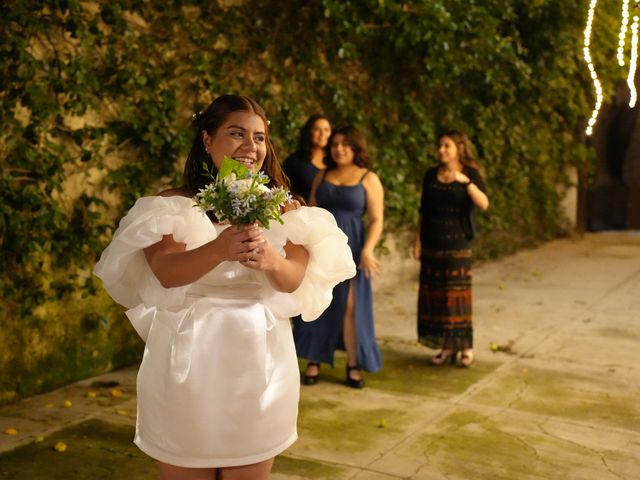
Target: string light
633	62
623	31
592	70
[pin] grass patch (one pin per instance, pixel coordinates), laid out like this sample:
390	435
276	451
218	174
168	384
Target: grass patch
95	451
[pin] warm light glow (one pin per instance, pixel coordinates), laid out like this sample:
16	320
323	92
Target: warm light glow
633	62
592	70
623	32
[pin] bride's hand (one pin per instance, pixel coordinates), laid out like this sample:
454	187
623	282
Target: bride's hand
239	243
264	257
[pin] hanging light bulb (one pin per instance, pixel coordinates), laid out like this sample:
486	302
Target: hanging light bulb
594	76
633	62
623	31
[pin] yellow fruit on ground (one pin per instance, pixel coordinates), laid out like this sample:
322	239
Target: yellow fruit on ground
60	447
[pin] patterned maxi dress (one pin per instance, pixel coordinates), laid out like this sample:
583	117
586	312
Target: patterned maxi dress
317	341
446	231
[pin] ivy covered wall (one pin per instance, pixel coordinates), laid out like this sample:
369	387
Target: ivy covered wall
96	100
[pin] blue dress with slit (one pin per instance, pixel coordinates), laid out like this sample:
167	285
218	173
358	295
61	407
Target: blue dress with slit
318	340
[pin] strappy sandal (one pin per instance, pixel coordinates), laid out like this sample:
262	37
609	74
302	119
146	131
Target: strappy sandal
466	358
311	379
443	357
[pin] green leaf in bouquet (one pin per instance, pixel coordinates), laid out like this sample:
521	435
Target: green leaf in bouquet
229	166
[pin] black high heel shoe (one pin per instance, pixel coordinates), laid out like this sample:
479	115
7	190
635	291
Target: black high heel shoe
311	379
352	382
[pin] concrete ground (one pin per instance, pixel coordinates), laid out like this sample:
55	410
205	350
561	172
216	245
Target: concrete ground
558	400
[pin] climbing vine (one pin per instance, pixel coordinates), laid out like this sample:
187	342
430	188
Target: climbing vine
96	100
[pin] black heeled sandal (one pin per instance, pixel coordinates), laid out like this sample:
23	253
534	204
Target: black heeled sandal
311	379
352	382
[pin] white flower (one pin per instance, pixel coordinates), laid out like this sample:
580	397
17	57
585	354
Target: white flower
242	200
239	187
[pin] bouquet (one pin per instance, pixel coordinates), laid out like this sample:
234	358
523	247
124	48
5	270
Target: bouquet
241	197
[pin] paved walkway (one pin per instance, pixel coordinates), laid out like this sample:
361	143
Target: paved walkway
558	400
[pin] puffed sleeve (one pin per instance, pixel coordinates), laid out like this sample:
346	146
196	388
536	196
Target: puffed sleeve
330	258
123	268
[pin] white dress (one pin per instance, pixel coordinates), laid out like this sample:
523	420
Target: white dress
219	384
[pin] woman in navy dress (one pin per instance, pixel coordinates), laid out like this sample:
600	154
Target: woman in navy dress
303	165
450	193
348	189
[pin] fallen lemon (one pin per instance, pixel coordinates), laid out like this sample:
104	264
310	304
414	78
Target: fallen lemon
92	394
10	431
60	447
116	392
67	404
39	439
494	347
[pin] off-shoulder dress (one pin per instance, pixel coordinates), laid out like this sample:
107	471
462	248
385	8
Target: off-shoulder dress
219	383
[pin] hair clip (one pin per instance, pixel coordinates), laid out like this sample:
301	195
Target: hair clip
268	122
196	116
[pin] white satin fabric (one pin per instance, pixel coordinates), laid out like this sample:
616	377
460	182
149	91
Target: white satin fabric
219	383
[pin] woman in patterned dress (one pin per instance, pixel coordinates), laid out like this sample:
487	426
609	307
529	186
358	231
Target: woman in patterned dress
450	192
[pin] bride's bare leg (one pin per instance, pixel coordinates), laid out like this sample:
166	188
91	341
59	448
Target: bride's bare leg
171	472
256	471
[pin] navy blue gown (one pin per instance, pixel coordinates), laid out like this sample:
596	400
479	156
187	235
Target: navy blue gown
301	173
318	340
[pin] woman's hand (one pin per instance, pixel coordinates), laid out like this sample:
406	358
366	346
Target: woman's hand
240	243
461	177
417	250
369	264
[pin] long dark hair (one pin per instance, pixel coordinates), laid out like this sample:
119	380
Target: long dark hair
305	143
357	142
466	151
209	120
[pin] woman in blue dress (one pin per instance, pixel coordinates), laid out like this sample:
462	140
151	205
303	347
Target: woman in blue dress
303	165
348	189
